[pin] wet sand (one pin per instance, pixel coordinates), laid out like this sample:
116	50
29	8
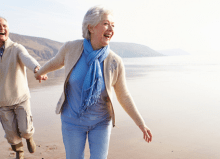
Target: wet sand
174	107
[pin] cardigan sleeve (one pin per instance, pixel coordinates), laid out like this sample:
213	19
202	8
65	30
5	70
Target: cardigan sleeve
55	63
125	98
26	58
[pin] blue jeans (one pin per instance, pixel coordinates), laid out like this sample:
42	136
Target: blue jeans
74	138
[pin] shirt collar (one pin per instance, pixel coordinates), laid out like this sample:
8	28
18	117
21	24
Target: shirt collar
2	47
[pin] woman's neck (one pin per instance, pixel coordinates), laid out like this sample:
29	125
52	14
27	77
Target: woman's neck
95	46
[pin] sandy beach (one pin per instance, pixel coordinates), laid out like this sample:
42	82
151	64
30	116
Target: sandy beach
181	109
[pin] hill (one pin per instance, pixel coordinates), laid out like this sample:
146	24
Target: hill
133	50
40	48
43	49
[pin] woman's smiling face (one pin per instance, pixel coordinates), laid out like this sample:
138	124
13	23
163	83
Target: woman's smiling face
102	33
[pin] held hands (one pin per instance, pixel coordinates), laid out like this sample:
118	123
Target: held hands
146	133
39	77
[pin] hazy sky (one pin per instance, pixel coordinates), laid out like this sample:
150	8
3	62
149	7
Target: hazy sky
191	25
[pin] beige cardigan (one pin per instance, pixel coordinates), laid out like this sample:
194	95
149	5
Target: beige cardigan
114	76
13	80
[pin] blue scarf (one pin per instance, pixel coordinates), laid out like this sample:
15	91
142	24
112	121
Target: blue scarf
91	89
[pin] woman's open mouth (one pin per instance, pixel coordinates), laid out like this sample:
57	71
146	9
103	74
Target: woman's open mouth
2	33
108	36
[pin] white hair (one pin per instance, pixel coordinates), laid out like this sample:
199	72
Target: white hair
93	17
3	18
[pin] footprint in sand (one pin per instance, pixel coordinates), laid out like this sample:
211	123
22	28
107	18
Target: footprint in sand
51	148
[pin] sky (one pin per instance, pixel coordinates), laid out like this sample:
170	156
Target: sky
190	25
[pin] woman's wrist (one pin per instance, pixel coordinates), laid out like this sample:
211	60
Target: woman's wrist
143	126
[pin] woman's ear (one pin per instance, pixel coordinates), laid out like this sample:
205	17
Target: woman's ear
90	28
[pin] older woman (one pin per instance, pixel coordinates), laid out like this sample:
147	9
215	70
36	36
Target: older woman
91	70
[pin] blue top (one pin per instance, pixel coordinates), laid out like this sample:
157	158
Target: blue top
72	105
2	50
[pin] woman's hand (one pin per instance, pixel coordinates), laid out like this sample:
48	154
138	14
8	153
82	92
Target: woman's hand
146	133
